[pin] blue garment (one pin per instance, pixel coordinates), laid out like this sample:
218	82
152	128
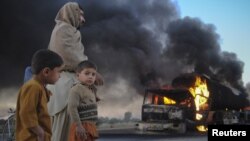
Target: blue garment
27	74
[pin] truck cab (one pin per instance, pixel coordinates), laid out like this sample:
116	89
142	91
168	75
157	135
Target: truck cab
166	110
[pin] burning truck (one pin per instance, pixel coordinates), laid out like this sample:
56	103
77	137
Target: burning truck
192	101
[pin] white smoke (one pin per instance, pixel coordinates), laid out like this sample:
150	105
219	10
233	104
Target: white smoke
118	98
7	99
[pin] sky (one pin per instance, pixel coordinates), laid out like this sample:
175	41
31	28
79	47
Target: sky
232	21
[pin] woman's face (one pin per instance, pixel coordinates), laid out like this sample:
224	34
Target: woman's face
82	19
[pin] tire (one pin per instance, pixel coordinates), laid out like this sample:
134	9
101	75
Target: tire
8	132
182	128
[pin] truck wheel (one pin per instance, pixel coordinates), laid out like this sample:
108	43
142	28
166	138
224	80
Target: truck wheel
182	128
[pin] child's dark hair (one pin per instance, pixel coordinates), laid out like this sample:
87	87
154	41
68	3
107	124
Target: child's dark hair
85	64
45	58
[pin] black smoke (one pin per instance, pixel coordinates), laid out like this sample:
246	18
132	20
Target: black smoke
124	38
131	39
195	43
25	27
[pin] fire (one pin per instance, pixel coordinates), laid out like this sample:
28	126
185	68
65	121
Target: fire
201	94
202	128
168	100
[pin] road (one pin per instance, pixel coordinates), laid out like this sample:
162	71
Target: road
129	134
129	137
132	137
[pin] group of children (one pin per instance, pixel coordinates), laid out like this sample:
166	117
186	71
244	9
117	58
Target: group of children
33	122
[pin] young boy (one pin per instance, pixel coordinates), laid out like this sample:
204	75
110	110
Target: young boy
82	105
32	118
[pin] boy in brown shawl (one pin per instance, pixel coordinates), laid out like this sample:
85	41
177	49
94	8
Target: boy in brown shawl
32	118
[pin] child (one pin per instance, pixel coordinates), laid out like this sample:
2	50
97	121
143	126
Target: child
32	118
82	105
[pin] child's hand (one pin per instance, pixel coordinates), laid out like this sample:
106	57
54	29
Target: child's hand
40	138
81	132
97	99
39	132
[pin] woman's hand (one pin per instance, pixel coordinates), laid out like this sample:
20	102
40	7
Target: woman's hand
99	79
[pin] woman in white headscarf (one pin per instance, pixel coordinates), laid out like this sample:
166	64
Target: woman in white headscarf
66	41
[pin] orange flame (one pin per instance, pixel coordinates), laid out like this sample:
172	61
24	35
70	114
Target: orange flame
201	94
201	128
168	101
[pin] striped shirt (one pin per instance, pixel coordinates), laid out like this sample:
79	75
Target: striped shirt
82	104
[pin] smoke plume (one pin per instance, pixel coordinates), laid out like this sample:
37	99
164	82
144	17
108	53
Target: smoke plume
134	44
197	44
